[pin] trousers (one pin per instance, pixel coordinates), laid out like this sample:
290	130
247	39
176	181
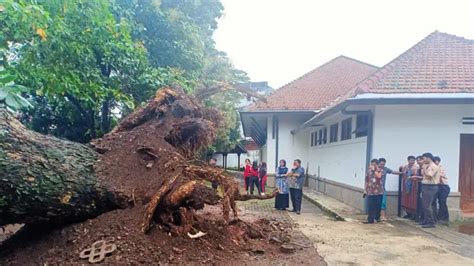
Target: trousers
296	198
254	182
374	206
428	194
440	203
247	182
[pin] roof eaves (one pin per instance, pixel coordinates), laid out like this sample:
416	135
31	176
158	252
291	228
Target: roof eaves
408	98
263	111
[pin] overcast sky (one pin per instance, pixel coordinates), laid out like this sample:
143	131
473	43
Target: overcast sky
280	40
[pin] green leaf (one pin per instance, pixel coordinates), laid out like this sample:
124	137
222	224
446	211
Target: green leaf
11	102
24	103
3	93
16	102
6	78
20	88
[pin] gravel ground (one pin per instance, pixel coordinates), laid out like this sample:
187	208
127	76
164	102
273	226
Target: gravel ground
354	243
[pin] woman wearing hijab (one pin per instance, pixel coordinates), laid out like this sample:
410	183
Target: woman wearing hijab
282	199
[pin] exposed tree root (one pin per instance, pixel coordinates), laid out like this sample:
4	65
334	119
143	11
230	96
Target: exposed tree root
151	155
155	200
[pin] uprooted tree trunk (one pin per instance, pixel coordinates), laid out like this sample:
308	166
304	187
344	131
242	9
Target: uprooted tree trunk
43	178
147	161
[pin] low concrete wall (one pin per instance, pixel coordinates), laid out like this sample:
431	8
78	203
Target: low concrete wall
271	180
454	203
270	177
352	196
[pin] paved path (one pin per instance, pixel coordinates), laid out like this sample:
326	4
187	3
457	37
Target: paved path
396	242
306	253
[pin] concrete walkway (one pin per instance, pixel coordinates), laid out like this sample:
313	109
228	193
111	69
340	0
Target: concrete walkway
341	238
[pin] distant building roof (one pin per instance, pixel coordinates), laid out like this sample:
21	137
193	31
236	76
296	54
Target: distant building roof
258	86
319	87
250	145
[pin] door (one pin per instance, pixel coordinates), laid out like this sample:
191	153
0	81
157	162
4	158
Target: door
466	173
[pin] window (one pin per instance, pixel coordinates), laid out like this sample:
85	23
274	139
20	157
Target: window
314	138
362	126
346	129
333	133
320	140
274	126
325	135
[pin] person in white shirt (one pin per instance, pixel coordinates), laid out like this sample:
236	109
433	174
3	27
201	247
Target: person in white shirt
440	203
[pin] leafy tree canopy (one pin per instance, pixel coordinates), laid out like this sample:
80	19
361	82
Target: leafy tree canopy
84	64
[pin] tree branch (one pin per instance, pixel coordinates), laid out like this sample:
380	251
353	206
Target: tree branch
207	92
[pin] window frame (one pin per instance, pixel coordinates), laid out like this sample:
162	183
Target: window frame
320	140
315	138
334	133
325	135
346	129
362	129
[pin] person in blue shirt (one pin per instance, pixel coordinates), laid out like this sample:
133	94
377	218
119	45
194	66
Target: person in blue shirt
385	171
295	182
282	199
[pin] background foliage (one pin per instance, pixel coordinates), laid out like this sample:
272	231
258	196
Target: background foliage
84	64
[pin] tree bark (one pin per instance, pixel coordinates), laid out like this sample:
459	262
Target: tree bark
45	179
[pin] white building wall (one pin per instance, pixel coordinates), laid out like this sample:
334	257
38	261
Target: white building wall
232	158
219	159
341	161
402	130
263	154
301	144
252	155
291	147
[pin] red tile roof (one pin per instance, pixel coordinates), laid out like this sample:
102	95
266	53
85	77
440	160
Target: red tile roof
319	87
439	63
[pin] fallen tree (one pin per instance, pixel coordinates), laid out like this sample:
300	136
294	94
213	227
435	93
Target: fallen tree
147	161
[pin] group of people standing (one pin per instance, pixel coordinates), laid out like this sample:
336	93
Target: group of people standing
425	168
434	189
255	176
289	182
